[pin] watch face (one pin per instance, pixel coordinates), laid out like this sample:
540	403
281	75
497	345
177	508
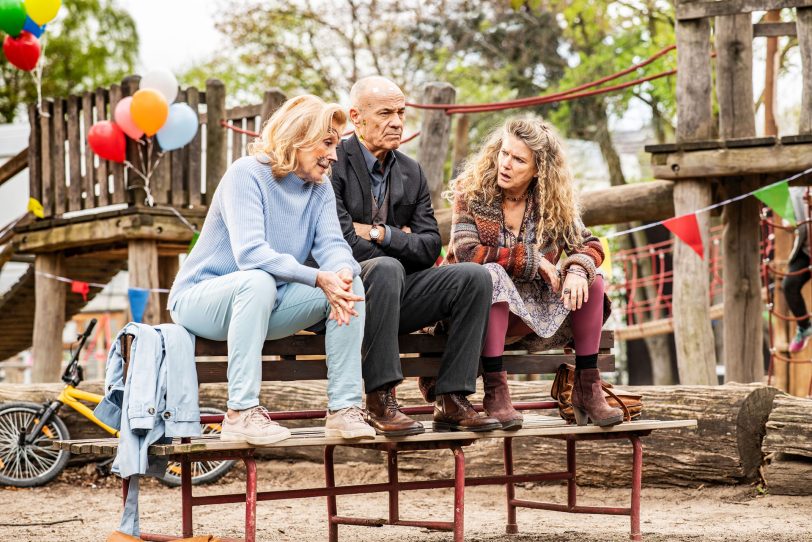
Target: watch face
374	232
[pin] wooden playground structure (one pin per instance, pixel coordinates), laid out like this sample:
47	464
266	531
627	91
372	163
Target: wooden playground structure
96	222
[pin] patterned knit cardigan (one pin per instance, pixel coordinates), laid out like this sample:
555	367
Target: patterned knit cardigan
475	230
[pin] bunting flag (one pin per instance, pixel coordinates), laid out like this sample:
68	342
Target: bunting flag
79	287
607	257
441	258
686	228
138	302
36	208
776	197
193	242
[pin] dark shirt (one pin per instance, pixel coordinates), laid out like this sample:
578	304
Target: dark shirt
379	178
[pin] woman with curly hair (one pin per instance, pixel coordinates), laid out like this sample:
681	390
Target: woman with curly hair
515	213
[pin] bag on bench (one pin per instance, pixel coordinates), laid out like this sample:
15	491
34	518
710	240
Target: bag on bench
631	404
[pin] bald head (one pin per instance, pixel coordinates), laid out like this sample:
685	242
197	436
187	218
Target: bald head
373	88
378	109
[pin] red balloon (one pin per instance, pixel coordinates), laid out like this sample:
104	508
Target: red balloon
108	141
22	51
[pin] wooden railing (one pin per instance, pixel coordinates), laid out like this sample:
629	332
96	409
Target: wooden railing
65	175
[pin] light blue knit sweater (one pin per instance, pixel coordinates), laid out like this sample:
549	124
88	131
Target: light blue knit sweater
258	222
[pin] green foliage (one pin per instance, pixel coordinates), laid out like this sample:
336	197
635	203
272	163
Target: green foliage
92	43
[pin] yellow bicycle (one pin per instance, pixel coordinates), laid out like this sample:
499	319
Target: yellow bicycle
26	429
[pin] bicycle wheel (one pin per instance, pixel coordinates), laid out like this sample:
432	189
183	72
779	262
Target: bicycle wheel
203	472
35	464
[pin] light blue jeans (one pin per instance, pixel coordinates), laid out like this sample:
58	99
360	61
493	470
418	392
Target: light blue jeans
239	308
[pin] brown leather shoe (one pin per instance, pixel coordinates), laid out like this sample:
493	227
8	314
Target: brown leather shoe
497	401
383	413
588	401
453	412
426	385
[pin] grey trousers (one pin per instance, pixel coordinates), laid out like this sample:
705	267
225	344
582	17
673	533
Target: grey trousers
399	303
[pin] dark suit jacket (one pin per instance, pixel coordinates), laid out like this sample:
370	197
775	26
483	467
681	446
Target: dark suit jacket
409	205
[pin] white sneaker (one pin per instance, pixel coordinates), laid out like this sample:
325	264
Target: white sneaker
347	423
254	427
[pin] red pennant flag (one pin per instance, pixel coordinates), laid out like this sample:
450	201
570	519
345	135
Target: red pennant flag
79	287
687	228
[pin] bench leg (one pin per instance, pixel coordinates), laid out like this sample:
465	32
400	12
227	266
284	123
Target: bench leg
637	485
572	485
330	482
186	495
459	494
250	499
512	527
392	467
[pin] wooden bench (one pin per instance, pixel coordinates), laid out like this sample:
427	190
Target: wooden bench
420	358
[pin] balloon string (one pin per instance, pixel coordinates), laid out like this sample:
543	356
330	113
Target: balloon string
37	75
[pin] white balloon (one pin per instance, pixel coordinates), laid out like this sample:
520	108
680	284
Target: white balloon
163	81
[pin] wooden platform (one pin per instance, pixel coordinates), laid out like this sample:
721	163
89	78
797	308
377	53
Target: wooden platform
534	426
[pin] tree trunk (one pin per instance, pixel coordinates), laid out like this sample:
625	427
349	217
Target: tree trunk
788	447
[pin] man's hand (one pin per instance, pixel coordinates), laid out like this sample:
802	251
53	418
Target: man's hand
337	287
406	229
362	230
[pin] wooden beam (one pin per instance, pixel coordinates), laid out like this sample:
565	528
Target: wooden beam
49	318
434	138
715	8
646	202
143	273
105	231
774	30
696	357
804	22
732	162
216	142
659	327
272	101
14	165
167	270
740	238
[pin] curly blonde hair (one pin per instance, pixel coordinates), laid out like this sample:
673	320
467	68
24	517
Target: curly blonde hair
559	213
300	123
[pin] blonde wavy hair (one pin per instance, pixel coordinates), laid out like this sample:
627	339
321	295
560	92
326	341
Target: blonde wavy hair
559	213
300	124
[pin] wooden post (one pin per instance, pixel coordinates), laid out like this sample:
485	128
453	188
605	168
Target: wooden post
461	128
135	154
216	143
803	23
143	268
696	358
770	73
167	270
34	150
434	134
272	101
743	331
49	318
192	179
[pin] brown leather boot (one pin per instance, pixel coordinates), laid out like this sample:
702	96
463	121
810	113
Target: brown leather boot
383	413
497	401
453	412
588	402
426	385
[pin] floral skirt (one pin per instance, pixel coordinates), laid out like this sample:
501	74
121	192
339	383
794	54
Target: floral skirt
539	307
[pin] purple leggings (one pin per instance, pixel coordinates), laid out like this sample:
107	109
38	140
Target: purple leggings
586	325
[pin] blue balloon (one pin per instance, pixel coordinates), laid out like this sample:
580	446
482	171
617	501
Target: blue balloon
179	129
34	28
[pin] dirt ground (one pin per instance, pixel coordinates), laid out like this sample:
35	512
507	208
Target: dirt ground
87	508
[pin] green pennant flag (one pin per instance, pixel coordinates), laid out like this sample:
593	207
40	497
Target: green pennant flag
442	252
194	240
776	197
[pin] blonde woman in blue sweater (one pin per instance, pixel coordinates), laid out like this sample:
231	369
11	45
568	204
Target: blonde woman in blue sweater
245	280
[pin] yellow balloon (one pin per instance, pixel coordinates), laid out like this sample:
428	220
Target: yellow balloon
42	11
149	110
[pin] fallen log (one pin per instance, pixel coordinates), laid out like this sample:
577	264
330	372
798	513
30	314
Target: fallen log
646	202
788	447
726	447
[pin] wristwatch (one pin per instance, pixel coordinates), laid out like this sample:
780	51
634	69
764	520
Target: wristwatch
375	233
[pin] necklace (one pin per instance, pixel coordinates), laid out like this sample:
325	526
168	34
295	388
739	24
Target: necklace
515	198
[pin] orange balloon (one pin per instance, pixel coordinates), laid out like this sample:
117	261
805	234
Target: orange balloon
149	110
